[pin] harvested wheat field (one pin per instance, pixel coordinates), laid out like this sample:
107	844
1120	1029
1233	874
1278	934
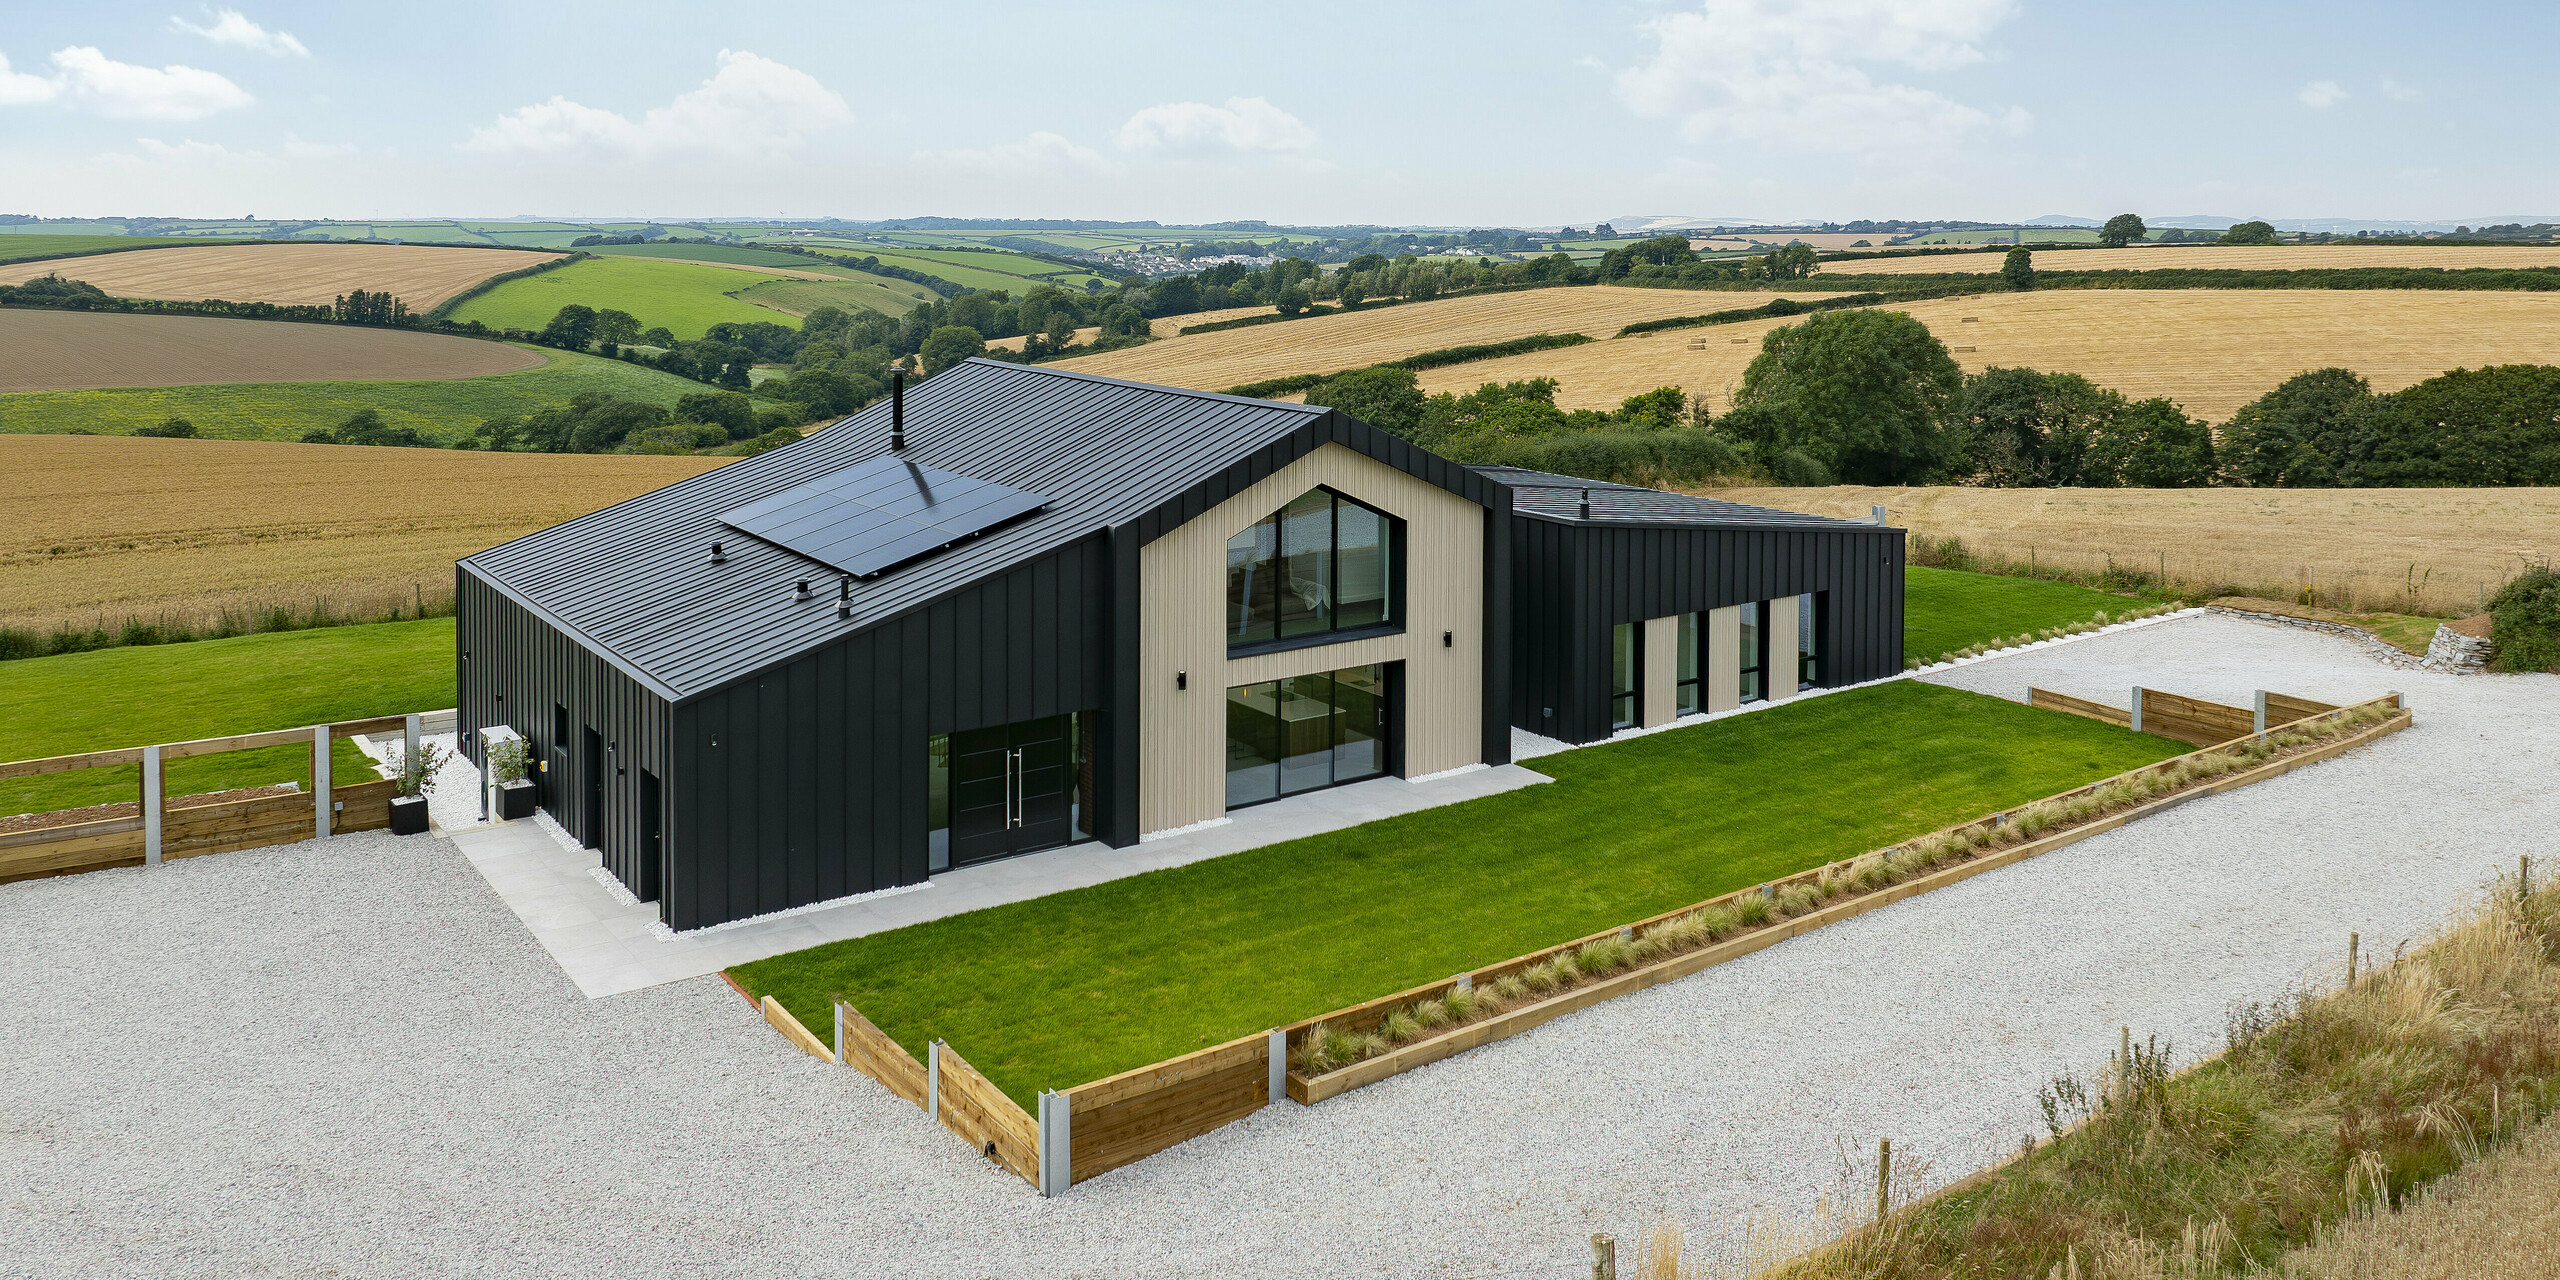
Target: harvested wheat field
1324	344
2438	551
2211	350
106	527
2237	257
1172	326
78	350
420	275
1016	342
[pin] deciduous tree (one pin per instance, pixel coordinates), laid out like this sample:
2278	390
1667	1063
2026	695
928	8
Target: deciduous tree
2121	230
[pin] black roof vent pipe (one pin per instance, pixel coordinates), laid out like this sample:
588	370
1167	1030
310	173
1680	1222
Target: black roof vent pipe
897	410
1586	504
717	555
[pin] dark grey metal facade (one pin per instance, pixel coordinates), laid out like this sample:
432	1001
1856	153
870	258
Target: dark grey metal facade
789	744
1643	554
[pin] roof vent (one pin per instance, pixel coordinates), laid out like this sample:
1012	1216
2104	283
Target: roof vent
1586	504
804	588
897	410
844	596
717	555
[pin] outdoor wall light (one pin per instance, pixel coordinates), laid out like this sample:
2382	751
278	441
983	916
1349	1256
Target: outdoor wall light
1448	639
1181	679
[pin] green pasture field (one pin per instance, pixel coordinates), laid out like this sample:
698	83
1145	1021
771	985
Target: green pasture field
685	298
139	695
2049	235
797	298
1944	610
28	248
1072	987
985	268
745	255
443	410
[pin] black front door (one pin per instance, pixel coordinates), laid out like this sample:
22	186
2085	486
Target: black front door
1012	789
594	834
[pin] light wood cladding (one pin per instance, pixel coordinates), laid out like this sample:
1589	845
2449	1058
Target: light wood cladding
1182	628
1659	693
1779	680
1724	658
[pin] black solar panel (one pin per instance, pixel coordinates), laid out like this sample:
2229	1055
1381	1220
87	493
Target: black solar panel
878	514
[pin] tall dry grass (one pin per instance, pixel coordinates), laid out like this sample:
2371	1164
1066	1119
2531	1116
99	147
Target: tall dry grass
2326	1138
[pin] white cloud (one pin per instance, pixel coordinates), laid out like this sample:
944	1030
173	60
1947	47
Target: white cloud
1038	152
2320	95
1795	73
229	27
86	77
2399	92
751	105
1196	128
18	88
188	151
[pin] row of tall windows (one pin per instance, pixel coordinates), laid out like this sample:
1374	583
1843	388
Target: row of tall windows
1323	563
1626	659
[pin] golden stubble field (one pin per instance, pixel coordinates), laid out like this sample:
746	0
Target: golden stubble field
2237	257
105	527
2363	548
1325	344
2211	350
67	350
421	275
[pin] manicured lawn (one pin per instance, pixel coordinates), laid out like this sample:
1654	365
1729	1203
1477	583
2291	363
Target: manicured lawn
440	409
682	296
135	696
1072	987
1944	610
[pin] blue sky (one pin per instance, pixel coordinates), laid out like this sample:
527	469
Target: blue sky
1505	113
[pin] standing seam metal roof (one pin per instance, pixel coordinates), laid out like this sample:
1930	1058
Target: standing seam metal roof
1547	496
634	581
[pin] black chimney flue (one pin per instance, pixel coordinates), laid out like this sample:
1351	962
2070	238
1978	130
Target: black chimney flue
897	410
1586	504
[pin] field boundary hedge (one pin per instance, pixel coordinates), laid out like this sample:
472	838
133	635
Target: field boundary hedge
1425	360
189	242
438	313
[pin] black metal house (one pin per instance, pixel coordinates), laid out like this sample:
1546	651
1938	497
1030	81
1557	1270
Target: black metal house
1029	608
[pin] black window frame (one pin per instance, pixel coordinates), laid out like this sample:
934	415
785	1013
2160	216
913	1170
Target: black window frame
1810	655
1395	602
1633	695
1695	685
1388	691
1758	654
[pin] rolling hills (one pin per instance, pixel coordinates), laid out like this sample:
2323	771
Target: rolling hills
421	275
73	350
2237	257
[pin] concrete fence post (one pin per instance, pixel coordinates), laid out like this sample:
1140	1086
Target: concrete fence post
2137	708
2258	712
319	781
839	1008
154	795
1277	1049
1057	1143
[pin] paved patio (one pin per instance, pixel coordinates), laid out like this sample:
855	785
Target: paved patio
608	943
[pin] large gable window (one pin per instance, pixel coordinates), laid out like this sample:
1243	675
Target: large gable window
1321	565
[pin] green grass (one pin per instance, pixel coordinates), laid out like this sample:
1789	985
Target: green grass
131	697
1944	610
1079	985
737	253
443	409
800	297
29	247
685	298
982	268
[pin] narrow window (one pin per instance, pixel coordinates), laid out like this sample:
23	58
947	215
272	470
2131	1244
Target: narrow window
1754	646
1624	663
1693	659
938	803
1813	615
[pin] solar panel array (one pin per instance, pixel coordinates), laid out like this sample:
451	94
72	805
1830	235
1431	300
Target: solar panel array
880	513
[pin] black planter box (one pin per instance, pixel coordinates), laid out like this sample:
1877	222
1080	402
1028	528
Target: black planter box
408	815
515	799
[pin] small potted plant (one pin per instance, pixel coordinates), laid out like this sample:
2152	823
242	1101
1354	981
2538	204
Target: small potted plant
414	774
511	761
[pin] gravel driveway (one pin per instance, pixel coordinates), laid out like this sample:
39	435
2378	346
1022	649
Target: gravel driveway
347	1058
